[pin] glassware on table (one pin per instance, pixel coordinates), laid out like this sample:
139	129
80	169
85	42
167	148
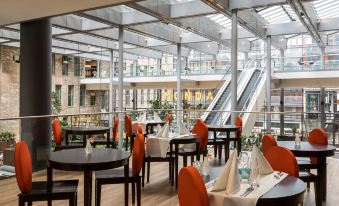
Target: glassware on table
255	174
205	167
297	141
197	165
244	171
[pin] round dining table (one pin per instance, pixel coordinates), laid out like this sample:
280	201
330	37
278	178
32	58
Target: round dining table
84	131
228	129
319	151
289	191
98	159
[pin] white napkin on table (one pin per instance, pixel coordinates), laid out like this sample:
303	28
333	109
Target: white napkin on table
184	130
229	179
156	117
258	160
140	117
143	119
164	132
156	146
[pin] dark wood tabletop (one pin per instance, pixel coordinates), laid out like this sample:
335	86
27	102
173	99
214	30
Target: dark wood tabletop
308	149
319	151
99	159
289	191
223	128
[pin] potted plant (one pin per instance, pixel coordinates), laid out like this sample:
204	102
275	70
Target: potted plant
7	139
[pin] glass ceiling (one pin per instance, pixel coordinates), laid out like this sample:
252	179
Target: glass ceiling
326	8
278	14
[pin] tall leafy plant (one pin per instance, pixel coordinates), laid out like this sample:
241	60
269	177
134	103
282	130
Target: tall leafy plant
56	104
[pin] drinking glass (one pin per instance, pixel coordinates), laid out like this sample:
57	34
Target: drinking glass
255	174
243	159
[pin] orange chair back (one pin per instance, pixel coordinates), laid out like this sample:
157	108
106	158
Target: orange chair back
191	188
268	142
115	128
140	129
201	130
23	167
128	125
238	122
168	118
57	131
318	136
282	159
138	154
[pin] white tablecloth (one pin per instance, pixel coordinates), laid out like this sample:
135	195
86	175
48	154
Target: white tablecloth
266	183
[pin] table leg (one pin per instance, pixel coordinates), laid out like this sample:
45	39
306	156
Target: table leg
176	164
108	138
87	188
198	151
66	137
49	174
126	174
215	145
323	176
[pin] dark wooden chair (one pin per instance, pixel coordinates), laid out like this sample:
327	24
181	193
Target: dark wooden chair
201	130
117	176
57	137
42	190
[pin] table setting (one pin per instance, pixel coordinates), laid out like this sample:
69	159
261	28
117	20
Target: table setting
243	180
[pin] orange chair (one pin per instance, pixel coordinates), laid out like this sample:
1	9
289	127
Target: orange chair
128	130
282	159
201	130
317	136
39	191
168	118
238	122
268	142
191	188
140	129
116	176
115	132
57	137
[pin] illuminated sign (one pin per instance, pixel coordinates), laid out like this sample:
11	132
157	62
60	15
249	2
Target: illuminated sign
188	95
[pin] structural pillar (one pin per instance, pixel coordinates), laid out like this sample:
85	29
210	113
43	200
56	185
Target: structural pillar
282	59
335	108
268	83
179	87
35	88
322	58
245	59
234	65
111	109
282	109
121	86
322	108
135	99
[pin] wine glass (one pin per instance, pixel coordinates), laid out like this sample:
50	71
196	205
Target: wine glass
243	159
255	174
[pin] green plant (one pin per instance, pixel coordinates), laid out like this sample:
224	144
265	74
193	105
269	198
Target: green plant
294	130
7	137
247	142
56	104
160	108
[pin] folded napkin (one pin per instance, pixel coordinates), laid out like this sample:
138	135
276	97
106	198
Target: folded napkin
142	118
164	132
228	179
184	130
156	146
156	117
258	160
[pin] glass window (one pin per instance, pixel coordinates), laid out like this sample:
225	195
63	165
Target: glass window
70	95
142	97
76	66
53	64
58	91
148	95
93	99
127	97
82	95
65	62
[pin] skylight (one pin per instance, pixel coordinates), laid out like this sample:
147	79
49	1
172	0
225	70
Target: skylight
326	8
278	14
221	20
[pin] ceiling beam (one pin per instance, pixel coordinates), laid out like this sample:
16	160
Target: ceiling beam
307	20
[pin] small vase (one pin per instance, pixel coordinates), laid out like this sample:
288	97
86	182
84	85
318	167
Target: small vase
88	148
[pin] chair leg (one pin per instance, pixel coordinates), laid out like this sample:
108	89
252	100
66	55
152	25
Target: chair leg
126	148
49	202
21	201
215	150
308	186
133	192
192	159
219	151
148	170
97	193
138	192
71	201
29	203
143	173
172	173
185	160
169	170
76	199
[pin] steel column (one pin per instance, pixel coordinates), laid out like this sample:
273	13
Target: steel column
179	87
322	57
282	59
245	59
35	88
268	82
234	64
121	86
110	109
282	109
322	108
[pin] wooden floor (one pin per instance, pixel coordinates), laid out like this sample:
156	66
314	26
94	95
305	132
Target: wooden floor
157	192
